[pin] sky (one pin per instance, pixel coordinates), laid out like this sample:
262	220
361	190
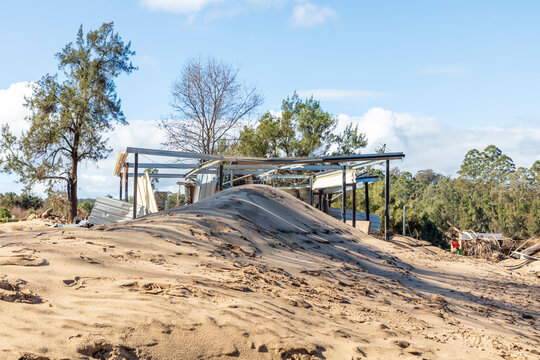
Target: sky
432	79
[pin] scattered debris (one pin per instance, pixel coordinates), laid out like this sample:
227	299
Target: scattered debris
470	243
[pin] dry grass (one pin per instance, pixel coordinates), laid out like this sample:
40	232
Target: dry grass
19	212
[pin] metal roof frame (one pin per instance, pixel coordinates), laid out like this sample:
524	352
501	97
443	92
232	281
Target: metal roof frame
273	160
265	167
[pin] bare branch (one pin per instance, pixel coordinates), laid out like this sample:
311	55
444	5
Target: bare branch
208	101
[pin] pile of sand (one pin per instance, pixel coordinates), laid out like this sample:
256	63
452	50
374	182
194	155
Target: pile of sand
34	224
253	273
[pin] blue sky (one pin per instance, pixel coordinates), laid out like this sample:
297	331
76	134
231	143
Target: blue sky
466	70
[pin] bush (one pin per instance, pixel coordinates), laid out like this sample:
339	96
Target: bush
18	212
87	205
5	213
25	201
172	199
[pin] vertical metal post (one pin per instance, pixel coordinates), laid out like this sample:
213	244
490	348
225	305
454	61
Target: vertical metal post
126	171
220	177
232	179
404	220
354	203
387	202
311	190
135	175
320	199
327	202
344	194
120	195
366	190
178	196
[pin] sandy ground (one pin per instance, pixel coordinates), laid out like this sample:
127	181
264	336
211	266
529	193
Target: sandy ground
35	224
253	273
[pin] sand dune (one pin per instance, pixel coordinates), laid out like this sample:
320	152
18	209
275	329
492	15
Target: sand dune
253	273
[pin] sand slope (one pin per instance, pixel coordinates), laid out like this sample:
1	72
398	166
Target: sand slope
253	273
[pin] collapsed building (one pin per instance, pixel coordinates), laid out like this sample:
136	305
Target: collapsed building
317	180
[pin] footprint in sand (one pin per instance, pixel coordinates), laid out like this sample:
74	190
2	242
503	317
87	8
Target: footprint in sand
89	260
13	291
104	350
72	282
22	257
28	356
168	289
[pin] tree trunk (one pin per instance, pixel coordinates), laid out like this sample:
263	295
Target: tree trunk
73	200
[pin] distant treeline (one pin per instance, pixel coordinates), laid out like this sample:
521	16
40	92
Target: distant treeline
24	201
489	195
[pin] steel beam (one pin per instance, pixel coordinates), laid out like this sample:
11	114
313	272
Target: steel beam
120	195
220	177
125	176
366	193
354	204
165	166
311	190
274	160
136	167
344	196
387	201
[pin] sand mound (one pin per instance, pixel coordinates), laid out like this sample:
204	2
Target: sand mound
253	273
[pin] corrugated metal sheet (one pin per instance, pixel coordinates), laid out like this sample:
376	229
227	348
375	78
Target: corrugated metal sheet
472	235
333	180
110	211
205	186
360	216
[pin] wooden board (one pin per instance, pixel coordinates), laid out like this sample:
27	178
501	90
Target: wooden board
145	194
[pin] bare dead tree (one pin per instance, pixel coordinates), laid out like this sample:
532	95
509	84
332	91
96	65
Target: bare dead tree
208	101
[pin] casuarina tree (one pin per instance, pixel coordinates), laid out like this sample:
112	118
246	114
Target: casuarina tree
70	113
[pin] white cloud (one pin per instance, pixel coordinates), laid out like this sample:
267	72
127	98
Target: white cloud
339	94
428	143
97	179
187	7
94	178
12	111
307	14
304	13
446	70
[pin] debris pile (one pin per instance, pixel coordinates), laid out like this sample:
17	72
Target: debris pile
48	215
490	246
487	248
470	243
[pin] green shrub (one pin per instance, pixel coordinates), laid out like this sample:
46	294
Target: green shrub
5	213
87	205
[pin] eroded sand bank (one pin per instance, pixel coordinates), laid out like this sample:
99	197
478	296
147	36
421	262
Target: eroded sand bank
253	273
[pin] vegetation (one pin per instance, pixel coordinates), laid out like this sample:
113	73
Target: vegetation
24	201
69	119
208	101
303	128
87	205
173	198
490	195
4	213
